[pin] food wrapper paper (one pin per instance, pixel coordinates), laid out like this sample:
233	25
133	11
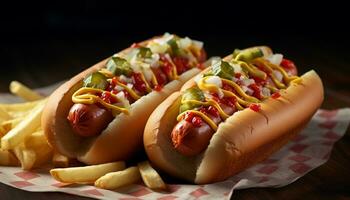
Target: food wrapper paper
310	149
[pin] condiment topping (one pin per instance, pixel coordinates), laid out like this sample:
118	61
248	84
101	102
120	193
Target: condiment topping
138	71
246	80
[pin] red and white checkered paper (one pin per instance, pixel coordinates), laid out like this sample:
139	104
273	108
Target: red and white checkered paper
307	151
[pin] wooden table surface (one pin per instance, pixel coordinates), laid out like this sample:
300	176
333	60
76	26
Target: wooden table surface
47	61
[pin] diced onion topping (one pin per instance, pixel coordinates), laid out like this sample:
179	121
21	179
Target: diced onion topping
248	82
147	72
207	95
264	51
278	75
184	43
158	48
275	59
125	79
164	39
154	61
129	85
247	90
266	92
216	80
118	88
197	44
122	98
236	67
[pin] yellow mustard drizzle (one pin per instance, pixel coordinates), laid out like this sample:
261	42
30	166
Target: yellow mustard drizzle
203	116
154	80
269	66
207	86
174	74
239	106
286	77
87	95
240	91
213	88
298	80
106	73
279	84
148	88
193	62
254	71
272	88
209	102
239	100
130	91
195	50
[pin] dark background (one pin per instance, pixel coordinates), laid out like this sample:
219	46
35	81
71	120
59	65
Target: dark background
42	43
53	41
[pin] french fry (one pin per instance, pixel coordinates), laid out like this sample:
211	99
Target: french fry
150	176
4	128
4	115
87	174
24	92
20	131
12	123
59	160
29	158
26	127
18	114
115	180
3	131
20	107
8	159
34	152
7	125
37	142
26	157
43	154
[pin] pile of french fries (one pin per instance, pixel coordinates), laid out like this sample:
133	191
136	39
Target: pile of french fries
23	143
111	175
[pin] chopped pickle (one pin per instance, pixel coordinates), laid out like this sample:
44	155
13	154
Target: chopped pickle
96	80
208	73
191	94
119	66
235	53
248	54
144	52
223	69
250	69
174	47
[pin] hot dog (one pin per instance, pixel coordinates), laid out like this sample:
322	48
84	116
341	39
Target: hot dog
191	135
189	139
99	115
234	114
88	120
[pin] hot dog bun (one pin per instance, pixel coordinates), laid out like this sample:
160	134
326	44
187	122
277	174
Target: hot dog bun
245	138
123	135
